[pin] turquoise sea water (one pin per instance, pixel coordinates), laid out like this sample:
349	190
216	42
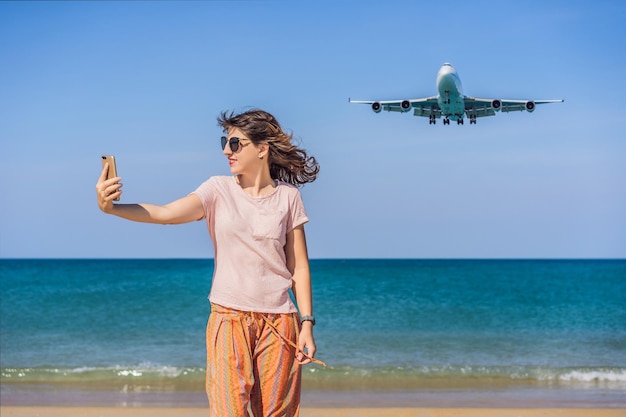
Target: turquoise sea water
393	332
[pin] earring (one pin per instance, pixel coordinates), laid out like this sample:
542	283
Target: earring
260	156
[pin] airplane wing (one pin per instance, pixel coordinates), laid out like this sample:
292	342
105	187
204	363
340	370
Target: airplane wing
474	107
480	107
424	107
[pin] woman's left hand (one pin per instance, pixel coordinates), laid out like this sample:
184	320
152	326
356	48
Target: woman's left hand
306	343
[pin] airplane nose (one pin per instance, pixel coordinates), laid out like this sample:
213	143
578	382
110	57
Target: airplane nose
446	69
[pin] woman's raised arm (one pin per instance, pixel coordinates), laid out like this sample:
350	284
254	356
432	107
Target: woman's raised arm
183	210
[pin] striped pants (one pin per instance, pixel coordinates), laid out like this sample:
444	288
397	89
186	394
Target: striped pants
249	367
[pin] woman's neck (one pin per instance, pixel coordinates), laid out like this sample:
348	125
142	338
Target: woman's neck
256	186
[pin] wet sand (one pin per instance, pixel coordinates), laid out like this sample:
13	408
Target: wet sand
315	412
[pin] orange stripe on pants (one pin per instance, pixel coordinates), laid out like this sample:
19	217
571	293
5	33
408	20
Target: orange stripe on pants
249	368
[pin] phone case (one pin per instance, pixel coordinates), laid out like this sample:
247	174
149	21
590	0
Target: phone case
112	168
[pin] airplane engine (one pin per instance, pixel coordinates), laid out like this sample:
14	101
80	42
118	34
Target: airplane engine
530	106
405	106
376	107
496	105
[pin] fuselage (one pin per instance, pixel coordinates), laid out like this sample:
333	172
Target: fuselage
450	91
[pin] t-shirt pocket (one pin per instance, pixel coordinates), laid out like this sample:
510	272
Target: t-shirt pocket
268	225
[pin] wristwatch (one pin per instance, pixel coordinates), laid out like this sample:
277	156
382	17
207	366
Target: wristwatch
307	318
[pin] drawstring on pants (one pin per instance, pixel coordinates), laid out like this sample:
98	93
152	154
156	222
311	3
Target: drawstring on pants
258	317
289	342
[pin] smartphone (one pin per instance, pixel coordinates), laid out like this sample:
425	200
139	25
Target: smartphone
112	168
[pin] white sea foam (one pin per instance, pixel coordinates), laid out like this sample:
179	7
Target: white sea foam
609	375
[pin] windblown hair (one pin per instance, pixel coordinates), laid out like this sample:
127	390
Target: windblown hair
287	162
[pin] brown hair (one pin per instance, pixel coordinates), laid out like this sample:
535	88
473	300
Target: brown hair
288	163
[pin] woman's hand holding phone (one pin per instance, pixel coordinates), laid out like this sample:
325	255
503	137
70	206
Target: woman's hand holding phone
108	187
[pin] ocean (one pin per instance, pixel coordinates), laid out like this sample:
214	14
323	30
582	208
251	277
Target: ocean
393	332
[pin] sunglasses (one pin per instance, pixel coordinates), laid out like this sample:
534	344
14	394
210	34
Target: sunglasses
234	143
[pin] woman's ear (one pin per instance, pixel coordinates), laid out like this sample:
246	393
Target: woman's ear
263	150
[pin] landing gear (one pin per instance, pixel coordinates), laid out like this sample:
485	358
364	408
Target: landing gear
446	121
459	121
472	120
432	120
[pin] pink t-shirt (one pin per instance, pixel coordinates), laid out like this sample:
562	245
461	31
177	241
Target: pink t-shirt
249	235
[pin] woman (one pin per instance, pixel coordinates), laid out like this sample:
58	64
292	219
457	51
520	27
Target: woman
256	343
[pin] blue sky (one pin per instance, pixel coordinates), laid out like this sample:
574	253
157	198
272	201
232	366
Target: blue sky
145	81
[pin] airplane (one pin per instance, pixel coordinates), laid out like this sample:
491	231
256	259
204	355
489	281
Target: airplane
451	103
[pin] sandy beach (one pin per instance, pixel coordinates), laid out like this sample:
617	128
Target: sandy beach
317	412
